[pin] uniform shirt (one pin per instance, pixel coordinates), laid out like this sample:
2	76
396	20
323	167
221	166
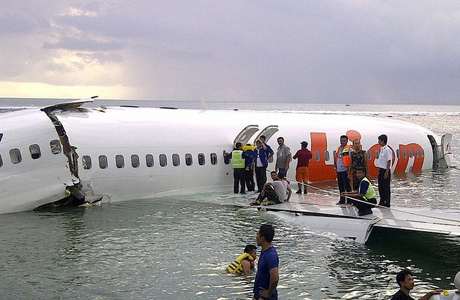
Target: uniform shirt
385	155
249	157
268	260
260	157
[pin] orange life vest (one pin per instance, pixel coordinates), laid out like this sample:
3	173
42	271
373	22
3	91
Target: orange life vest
345	155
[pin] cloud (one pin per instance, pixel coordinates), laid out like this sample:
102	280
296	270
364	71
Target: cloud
306	51
80	44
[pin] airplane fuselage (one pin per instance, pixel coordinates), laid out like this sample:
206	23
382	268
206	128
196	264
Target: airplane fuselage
124	153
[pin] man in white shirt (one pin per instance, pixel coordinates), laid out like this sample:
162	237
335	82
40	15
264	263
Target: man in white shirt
384	164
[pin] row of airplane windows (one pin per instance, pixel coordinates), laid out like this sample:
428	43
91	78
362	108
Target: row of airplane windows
55	147
149	160
34	150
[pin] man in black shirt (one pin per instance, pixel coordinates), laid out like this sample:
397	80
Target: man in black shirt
405	280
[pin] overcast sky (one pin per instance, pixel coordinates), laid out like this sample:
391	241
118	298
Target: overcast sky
273	51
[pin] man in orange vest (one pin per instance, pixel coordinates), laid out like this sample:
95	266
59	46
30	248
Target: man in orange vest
341	165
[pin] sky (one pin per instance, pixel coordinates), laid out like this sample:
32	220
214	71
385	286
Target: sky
382	52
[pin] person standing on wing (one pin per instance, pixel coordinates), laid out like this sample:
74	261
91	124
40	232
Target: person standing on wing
303	157
384	177
283	157
341	165
239	167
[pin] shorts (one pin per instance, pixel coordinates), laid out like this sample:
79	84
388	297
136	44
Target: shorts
301	174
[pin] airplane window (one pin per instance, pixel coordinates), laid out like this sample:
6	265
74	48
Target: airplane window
188	159
326	155
422	152
103	163
135	161
176	160
1	161
163	160
149	160
317	155
201	160
86	161
213	159
405	153
416	153
55	147
377	154
35	151
369	154
1	136
397	153
120	161
15	156
410	153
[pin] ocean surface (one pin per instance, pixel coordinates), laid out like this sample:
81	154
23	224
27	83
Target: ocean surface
178	247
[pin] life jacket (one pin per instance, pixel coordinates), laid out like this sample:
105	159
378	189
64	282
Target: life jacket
370	193
238	162
247	147
236	267
345	155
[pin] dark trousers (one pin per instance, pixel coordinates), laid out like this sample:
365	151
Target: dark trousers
239	178
250	184
364	206
384	188
343	183
261	177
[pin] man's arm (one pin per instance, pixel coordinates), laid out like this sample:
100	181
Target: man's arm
274	277
387	171
429	294
366	159
270	152
289	158
289	193
246	267
363	185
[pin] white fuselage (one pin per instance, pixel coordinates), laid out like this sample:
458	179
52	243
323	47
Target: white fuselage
115	148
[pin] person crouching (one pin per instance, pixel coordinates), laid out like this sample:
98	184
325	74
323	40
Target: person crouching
365	193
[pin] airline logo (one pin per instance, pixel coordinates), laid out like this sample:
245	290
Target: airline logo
410	157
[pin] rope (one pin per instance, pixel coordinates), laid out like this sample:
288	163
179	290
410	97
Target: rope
375	205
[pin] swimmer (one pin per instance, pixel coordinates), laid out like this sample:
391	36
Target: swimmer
244	263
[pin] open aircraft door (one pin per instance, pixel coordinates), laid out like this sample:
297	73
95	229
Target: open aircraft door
447	155
245	134
268	131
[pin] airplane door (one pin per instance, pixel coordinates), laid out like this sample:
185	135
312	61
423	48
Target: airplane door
268	131
446	139
245	134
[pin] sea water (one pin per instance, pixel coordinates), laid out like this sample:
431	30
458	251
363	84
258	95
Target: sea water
178	247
